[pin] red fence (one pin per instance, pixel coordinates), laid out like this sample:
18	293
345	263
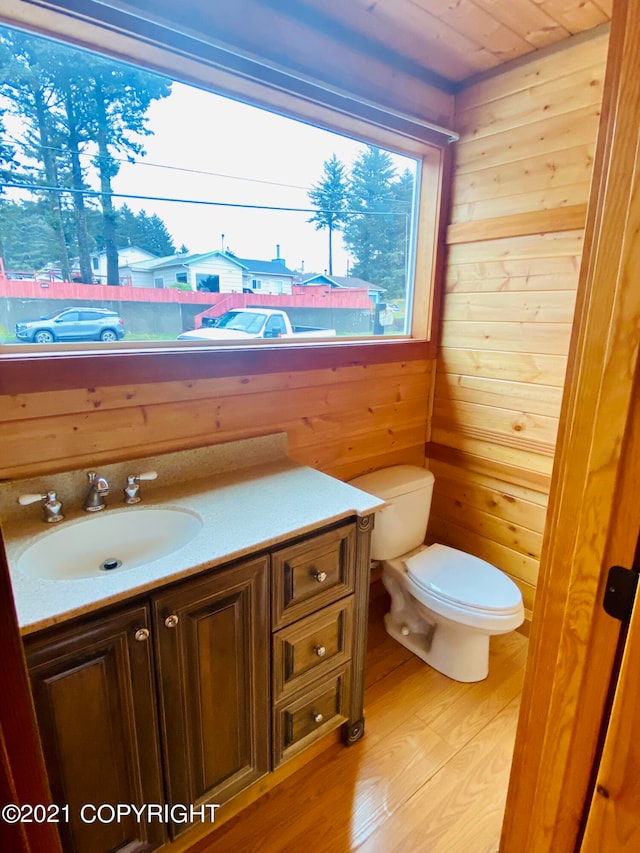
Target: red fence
309	297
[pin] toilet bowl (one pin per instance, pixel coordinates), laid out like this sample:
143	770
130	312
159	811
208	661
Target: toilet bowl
445	603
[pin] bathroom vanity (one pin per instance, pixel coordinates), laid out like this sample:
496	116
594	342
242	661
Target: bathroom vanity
188	679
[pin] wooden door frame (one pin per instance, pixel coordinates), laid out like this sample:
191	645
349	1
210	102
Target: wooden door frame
591	513
22	774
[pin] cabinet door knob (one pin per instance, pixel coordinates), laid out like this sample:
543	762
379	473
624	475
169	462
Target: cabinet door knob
320	576
317	718
141	634
172	620
320	651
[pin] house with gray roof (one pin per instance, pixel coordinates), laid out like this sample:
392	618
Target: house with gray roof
215	272
374	291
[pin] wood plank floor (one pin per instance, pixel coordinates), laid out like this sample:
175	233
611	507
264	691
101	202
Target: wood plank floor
429	776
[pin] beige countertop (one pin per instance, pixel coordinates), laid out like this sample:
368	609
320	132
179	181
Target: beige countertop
243	509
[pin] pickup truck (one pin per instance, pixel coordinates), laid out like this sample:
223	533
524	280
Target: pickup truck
243	324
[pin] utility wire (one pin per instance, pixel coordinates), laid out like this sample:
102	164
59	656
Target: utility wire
98	194
136	162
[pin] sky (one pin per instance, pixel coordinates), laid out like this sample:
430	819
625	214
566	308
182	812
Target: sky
208	148
270	160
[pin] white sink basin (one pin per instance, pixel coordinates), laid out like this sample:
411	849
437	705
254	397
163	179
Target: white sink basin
110	542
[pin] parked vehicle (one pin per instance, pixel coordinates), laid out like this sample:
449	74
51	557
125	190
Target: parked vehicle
250	323
72	324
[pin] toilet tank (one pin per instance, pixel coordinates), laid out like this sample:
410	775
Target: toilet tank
401	526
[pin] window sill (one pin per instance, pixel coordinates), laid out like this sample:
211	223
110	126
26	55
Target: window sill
32	373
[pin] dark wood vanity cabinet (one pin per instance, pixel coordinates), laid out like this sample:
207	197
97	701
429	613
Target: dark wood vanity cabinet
212	644
94	692
110	735
196	691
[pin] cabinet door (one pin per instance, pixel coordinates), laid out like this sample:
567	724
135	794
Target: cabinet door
212	641
93	689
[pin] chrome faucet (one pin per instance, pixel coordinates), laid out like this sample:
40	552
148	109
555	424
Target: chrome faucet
52	507
98	488
132	489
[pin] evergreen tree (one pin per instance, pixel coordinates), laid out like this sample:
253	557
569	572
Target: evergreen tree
377	229
329	196
74	104
26	235
120	98
28	87
146	232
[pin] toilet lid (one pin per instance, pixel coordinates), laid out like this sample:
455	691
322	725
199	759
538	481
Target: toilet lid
452	575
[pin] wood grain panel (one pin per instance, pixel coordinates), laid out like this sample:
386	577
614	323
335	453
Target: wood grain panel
583	88
547	134
549	338
493	276
530	368
335	419
541	247
540	171
527	19
576	17
563	218
521	539
521	186
409	28
543	307
477	457
523	204
513	428
453	469
525	75
486	391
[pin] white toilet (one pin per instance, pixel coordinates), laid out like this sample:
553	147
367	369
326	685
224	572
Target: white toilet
445	604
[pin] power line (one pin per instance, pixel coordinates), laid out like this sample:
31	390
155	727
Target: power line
167	166
98	194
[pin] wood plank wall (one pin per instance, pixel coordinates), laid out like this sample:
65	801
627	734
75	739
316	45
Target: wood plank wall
521	184
343	420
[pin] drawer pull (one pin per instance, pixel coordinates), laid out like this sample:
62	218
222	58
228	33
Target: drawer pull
320	576
141	634
320	651
171	621
317	718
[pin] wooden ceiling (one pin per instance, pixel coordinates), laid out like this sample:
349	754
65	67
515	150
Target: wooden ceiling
453	39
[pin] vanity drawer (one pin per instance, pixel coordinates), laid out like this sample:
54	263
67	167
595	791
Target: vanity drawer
312	574
304	651
310	715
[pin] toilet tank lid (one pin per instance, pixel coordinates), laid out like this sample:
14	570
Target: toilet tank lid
397	480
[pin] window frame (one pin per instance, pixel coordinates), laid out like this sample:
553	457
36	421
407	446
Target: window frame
121	364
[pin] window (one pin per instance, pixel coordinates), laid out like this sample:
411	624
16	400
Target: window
343	210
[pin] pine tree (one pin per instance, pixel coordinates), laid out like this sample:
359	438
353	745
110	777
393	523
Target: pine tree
329	197
376	233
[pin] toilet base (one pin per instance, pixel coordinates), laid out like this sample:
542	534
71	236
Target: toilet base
460	654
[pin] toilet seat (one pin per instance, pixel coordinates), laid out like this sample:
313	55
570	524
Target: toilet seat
462	582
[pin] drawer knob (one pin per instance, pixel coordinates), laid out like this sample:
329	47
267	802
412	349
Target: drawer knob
141	634
171	621
317	718
320	651
320	576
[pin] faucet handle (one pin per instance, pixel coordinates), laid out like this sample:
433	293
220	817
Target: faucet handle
132	489
52	508
25	500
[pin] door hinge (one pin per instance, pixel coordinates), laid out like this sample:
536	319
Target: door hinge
620	592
